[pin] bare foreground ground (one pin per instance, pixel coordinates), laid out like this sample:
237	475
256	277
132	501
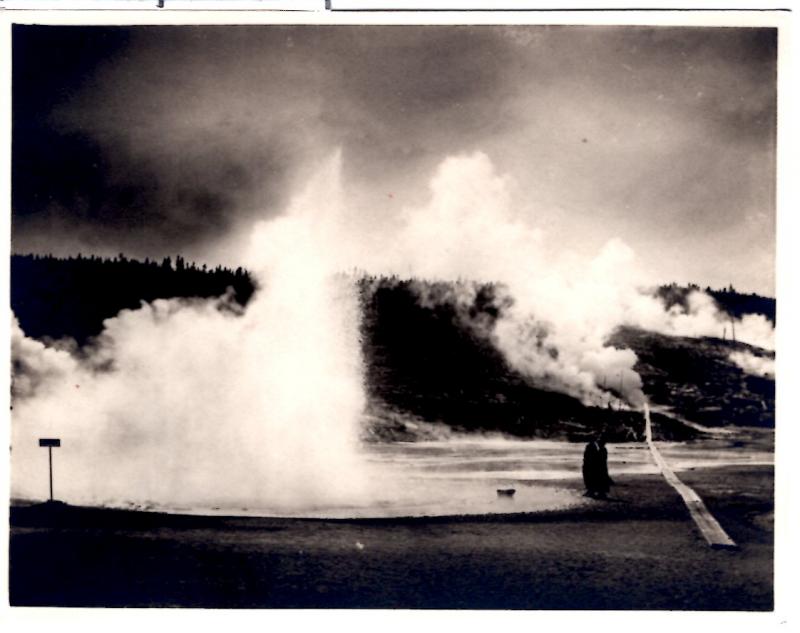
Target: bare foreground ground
639	550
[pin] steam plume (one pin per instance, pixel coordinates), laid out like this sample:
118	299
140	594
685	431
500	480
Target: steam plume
754	365
562	305
187	402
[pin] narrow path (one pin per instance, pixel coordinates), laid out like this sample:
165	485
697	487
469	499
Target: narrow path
711	430
709	527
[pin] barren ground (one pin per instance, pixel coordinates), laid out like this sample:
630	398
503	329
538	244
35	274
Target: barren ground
639	550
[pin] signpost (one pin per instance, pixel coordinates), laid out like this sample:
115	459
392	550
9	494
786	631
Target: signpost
50	443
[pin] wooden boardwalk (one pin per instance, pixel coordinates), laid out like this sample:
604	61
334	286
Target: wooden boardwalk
709	527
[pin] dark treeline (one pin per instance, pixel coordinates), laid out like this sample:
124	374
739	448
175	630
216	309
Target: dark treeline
728	299
430	360
71	297
56	298
427	351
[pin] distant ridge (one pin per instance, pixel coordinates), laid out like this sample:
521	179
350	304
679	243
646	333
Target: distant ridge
425	364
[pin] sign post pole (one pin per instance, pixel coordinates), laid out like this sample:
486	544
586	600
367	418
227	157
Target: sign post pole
50	443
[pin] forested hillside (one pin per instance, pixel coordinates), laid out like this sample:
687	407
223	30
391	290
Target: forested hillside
430	359
425	360
56	298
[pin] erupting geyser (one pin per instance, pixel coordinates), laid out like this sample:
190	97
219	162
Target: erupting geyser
189	404
196	405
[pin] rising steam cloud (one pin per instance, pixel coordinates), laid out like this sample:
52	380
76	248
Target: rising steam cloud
562	308
184	403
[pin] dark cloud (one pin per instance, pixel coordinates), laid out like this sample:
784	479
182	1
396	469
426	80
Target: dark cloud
101	145
158	139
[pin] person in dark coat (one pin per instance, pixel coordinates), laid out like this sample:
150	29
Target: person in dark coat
595	469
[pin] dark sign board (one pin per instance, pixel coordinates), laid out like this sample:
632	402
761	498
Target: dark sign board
45	441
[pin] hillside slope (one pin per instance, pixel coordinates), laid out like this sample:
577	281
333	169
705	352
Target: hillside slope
696	379
429	369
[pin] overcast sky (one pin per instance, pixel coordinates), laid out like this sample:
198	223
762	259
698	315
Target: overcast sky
165	140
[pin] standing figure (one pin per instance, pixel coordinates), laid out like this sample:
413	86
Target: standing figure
595	469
